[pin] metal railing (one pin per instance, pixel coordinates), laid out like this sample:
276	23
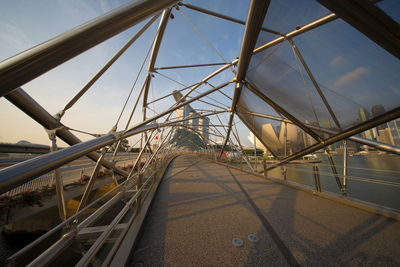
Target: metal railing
98	229
32	185
318	177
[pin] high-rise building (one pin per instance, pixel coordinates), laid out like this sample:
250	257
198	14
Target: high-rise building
290	131
204	128
307	139
326	123
363	114
194	121
182	113
394	127
197	123
385	136
376	111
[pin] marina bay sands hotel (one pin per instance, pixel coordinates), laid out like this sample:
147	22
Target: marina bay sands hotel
197	123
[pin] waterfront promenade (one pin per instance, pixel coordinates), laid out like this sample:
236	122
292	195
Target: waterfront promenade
200	207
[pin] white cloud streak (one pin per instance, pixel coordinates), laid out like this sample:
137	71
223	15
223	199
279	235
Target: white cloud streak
351	77
13	36
336	61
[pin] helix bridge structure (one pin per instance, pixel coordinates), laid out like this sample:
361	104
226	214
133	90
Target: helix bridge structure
310	76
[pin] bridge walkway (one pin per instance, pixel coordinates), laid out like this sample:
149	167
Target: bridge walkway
201	206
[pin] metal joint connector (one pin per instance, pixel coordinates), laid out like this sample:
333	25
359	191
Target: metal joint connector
52	132
59	115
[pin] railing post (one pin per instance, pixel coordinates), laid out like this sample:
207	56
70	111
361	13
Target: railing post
344	166
265	167
138	186
339	184
62	210
316	178
283	170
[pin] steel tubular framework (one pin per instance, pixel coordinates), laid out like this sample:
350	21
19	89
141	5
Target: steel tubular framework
135	188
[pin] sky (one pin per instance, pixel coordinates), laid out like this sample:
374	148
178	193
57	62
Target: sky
24	24
349	78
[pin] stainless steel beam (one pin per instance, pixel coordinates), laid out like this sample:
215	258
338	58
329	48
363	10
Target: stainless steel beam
255	19
154	53
344	166
189	66
20	173
153	57
139	157
33	109
311	76
370	20
32	63
234	62
282	111
109	63
294	33
256	134
26	148
388	116
212	13
179	106
62	210
364	141
91	182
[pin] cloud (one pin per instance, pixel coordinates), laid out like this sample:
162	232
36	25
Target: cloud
336	61
395	89
351	77
13	36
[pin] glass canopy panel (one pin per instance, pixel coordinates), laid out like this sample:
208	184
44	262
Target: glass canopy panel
352	67
284	16
387	133
282	79
271	132
391	8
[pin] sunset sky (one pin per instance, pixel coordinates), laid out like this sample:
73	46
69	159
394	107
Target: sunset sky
335	53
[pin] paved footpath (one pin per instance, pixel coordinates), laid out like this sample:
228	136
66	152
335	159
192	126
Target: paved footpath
201	206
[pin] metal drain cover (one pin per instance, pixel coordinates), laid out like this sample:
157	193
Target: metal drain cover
237	242
253	238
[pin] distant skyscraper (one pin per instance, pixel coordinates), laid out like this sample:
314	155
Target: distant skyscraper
363	114
394	127
326	123
194	122
204	128
291	136
199	124
182	113
307	139
385	136
376	111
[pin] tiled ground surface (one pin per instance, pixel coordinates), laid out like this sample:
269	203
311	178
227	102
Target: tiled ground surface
201	206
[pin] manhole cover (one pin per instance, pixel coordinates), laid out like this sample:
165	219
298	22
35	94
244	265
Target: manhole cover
253	238
138	264
237	242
